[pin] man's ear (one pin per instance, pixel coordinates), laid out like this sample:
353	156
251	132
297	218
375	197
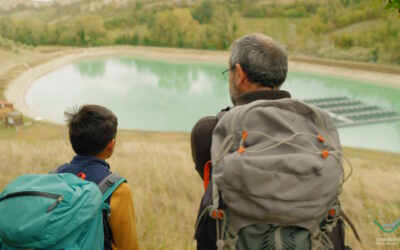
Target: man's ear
241	76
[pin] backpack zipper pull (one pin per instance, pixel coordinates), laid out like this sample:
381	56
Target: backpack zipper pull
58	201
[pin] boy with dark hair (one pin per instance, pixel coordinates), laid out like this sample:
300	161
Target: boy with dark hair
92	132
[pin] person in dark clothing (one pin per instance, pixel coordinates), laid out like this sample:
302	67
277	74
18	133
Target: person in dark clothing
257	68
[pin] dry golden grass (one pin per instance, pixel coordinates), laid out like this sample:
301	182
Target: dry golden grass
167	190
158	166
372	193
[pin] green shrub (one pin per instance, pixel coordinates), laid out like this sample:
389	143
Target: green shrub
343	41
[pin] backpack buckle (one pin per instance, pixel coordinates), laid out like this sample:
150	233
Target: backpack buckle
217	213
333	213
109	183
81	175
109	215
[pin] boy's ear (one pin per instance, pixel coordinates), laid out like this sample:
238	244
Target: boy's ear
111	146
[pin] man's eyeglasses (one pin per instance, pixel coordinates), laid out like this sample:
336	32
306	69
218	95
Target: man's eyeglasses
225	73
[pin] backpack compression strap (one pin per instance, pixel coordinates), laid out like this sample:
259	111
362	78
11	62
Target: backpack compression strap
208	165
207	174
109	184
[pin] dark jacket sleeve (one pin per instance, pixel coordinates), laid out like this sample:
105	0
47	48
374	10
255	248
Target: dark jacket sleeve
206	231
201	142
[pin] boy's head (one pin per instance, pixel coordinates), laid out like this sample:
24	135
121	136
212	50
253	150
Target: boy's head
92	130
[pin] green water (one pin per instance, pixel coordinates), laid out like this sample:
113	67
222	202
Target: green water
172	96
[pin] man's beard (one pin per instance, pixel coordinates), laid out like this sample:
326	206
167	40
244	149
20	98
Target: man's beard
233	92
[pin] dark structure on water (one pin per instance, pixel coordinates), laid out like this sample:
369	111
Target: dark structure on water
349	112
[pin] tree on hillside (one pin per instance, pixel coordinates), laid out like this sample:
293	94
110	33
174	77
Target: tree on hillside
204	12
221	31
7	28
28	31
88	30
50	35
174	28
393	5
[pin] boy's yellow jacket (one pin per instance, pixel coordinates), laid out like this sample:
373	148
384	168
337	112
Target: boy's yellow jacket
122	221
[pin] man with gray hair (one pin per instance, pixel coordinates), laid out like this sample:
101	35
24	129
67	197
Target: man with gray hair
257	63
257	68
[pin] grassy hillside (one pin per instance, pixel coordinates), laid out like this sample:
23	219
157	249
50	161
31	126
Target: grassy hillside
167	190
338	29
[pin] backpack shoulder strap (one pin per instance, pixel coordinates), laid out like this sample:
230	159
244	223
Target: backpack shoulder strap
109	184
207	174
222	112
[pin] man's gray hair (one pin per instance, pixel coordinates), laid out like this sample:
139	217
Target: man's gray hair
263	59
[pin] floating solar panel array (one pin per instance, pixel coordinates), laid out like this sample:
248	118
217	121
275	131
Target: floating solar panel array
347	112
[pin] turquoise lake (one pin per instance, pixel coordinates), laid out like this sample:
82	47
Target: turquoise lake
172	96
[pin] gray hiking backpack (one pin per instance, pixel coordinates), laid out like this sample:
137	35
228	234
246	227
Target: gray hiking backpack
278	167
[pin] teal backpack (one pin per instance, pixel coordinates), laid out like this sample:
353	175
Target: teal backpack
54	211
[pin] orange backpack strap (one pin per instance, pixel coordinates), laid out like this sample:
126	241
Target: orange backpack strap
81	175
207	174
